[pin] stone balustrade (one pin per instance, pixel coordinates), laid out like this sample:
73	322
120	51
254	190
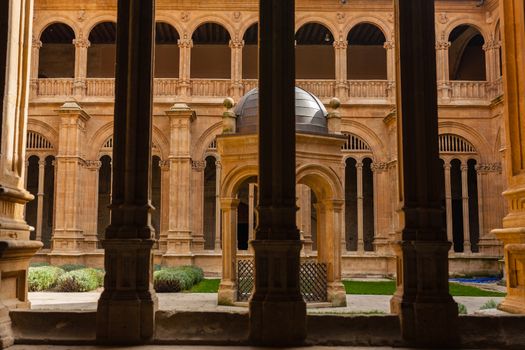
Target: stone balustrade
366	91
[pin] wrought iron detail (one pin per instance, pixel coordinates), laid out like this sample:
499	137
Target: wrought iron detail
245	279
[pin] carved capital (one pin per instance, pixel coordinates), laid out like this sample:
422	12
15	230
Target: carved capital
198	165
236	44
379	167
164	165
389	45
341	44
92	164
442	45
486	168
81	43
185	43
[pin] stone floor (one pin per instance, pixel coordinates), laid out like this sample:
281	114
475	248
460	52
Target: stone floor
208	302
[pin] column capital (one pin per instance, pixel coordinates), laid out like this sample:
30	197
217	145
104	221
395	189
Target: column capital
389	45
92	164
492	44
164	165
236	44
229	203
81	43
359	165
379	167
486	168
340	44
443	45
464	167
42	163
36	44
198	165
446	165
218	164
185	43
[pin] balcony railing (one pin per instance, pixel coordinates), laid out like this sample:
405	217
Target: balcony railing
363	91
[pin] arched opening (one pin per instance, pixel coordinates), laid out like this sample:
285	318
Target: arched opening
250	52
48	202
368	205
31	208
473	204
210	203
57	54
211	54
104	196
156	190
102	51
166	51
366	56
314	52
351	204
457	205
246	218
466	54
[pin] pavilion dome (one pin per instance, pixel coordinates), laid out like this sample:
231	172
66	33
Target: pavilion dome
310	113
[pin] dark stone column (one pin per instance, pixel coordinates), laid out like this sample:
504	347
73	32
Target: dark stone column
277	310
427	311
126	309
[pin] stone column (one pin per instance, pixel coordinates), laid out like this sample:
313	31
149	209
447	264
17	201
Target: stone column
40	198
512	234
236	46
448	201
251	211
360	199
382	203
227	293
68	234
466	215
341	75
90	212
492	59
185	45
218	170
126	308
331	237
444	90
180	242
391	69
35	59
427	312
491	209
165	200
81	53
16	250
277	309
304	216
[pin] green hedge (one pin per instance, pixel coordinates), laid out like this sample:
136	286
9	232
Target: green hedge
176	279
83	280
72	267
43	277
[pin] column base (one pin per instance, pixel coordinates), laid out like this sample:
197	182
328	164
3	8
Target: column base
336	294
6	333
227	294
289	331
126	318
513	304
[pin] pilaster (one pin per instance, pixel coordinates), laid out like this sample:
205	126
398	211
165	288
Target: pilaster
68	233
442	47
391	69
227	293
341	74
185	46
35	59
90	189
237	89
81	52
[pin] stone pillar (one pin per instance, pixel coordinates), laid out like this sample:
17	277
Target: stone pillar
491	208
341	75
16	249
492	59
304	216
218	170
90	212
40	198
382	207
81	53
126	308
391	69
68	234
448	201
251	211
466	215
277	309
179	240
444	90
227	293
427	312
35	59
360	199
185	45
512	234
331	237
237	90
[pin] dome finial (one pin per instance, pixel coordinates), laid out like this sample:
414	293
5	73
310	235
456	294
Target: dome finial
228	117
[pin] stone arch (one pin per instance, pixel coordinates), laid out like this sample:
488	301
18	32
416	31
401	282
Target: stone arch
162	18
469	134
93	22
467	22
43	129
322	180
201	145
301	22
56	20
246	25
368	135
235	178
218	19
376	21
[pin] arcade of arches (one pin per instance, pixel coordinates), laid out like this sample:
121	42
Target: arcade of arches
72	159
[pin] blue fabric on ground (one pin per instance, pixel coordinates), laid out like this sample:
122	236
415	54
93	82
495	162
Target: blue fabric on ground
476	280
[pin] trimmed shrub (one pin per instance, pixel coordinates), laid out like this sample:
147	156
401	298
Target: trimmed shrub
83	280
176	279
462	309
491	304
43	277
72	267
38	264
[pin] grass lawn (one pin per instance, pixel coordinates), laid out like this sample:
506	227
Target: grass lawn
389	287
206	286
366	288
